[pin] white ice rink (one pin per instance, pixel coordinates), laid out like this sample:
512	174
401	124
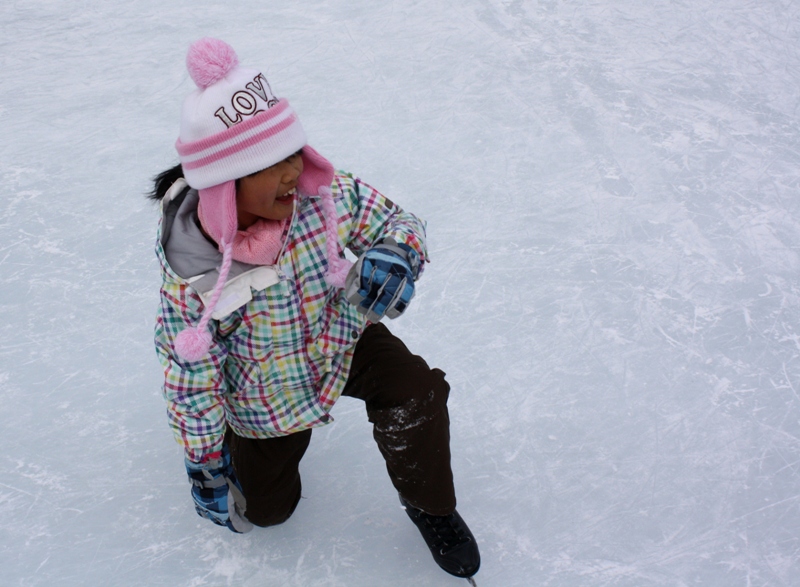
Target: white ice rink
612	190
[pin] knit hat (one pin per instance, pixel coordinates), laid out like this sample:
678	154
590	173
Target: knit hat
232	125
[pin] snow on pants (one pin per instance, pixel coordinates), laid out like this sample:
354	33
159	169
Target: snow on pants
406	402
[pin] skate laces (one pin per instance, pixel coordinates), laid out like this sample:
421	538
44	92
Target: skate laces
448	532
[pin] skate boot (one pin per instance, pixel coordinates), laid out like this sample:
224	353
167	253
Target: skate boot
451	543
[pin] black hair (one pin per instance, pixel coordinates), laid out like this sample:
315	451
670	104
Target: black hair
163	181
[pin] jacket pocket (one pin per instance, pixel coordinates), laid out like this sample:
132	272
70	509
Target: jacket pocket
339	332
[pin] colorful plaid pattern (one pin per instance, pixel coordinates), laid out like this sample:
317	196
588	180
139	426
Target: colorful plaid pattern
278	364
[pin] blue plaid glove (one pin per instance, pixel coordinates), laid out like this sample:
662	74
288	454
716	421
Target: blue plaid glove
216	492
381	283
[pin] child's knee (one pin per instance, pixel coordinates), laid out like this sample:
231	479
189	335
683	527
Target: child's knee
417	388
273	510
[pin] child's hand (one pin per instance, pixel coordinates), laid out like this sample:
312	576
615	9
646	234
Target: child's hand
216	492
381	283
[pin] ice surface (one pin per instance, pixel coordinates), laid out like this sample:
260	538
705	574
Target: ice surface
612	197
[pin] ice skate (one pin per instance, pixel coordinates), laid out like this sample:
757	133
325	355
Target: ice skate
449	539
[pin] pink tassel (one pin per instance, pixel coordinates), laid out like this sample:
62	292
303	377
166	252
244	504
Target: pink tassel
193	344
338	268
337	276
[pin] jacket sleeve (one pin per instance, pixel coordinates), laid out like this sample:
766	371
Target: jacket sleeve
193	390
375	217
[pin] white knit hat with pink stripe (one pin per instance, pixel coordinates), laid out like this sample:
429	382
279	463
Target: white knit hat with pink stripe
231	126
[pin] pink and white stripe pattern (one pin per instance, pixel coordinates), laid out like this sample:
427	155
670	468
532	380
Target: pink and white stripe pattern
254	144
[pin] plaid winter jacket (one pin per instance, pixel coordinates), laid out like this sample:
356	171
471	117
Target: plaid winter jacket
282	338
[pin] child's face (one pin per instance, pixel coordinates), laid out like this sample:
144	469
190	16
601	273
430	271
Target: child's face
268	193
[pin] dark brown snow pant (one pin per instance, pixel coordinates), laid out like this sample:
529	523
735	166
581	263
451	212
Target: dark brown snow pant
406	402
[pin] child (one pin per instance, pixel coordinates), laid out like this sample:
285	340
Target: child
263	324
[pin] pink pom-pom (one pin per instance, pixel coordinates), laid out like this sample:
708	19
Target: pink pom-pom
193	344
337	272
209	60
